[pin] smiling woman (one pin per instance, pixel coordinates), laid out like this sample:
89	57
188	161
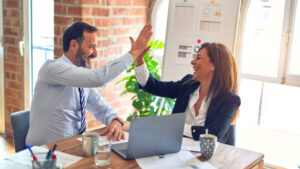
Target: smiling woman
209	97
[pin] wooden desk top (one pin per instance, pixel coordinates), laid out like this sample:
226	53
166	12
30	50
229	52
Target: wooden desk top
225	157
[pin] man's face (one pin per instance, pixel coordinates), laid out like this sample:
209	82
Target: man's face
87	50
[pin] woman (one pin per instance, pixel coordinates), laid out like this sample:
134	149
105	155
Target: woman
208	97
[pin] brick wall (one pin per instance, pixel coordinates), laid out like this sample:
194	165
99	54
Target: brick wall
116	20
13	62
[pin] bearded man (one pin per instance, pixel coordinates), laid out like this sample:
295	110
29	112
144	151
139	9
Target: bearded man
66	87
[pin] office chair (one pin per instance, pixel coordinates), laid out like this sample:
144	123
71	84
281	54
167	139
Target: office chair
20	124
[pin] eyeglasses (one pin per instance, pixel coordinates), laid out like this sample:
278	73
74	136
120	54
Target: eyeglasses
196	49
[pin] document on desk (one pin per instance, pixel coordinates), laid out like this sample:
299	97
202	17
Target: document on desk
180	160
24	158
189	144
103	140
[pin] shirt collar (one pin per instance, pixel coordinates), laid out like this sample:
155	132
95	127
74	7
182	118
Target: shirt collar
66	59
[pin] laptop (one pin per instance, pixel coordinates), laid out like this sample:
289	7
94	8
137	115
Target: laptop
154	135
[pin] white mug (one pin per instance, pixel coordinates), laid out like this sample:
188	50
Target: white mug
90	143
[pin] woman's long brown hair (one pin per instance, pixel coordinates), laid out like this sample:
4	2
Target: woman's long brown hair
225	77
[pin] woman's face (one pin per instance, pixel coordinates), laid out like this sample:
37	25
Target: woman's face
203	67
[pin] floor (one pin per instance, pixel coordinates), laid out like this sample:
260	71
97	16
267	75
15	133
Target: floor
281	149
6	146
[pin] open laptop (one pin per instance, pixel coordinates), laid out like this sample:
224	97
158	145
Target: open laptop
153	135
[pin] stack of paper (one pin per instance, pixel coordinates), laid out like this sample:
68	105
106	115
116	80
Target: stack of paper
24	158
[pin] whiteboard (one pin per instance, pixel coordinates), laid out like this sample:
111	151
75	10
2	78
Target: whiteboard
191	23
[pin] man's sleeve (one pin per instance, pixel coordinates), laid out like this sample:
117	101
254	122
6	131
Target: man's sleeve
62	73
99	107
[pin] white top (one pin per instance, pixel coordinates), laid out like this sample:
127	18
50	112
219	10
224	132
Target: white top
142	75
55	108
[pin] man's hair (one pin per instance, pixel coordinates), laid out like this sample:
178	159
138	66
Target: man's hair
75	31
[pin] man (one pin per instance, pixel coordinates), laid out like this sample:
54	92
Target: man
65	87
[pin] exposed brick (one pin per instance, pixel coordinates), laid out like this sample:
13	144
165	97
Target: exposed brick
93	124
14	85
74	10
137	11
120	11
101	22
7	75
119	31
13	101
111	2
12	4
100	12
5	13
89	2
60	9
104	32
114	22
123	40
12	50
11	31
9	40
12	67
142	20
139	2
11	93
61	20
86	11
14	13
129	21
70	1
123	2
16	22
103	43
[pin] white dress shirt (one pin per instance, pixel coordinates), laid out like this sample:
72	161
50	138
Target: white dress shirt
142	75
55	108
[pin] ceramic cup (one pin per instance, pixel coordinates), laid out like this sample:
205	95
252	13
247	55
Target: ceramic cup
90	143
207	145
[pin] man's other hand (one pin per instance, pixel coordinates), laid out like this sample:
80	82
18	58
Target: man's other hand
139	46
114	129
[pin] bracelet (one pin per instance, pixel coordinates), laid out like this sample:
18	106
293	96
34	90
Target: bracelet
120	120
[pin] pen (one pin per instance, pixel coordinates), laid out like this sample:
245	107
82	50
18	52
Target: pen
51	152
53	149
32	154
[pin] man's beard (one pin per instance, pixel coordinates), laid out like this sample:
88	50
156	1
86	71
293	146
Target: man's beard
79	57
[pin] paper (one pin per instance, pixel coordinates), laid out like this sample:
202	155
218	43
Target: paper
7	164
103	140
211	16
24	157
180	160
189	144
183	17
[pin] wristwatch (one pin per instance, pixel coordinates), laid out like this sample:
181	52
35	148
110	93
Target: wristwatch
120	120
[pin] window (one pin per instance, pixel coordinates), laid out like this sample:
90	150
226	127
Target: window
270	81
39	40
2	109
159	21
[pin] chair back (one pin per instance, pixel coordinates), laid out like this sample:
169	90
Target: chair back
20	124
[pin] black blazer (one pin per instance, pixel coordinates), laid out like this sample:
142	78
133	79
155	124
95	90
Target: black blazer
220	112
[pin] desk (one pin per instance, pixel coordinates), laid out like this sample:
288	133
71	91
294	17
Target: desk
225	157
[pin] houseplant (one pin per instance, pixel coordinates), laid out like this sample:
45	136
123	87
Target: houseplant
146	104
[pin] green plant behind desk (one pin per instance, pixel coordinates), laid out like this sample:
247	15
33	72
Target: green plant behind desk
146	104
